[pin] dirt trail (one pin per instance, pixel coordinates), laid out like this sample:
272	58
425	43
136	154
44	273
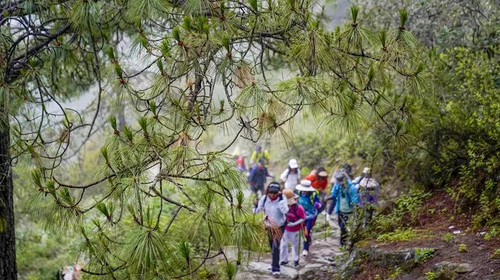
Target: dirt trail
316	266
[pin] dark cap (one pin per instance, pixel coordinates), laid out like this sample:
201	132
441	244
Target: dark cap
273	187
339	175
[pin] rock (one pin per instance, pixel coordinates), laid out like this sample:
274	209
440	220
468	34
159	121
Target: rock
348	268
441	265
455	267
464	268
400	258
259	270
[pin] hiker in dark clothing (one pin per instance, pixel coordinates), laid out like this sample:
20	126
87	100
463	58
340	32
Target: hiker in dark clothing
257	178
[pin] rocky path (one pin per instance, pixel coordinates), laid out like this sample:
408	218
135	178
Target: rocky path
316	266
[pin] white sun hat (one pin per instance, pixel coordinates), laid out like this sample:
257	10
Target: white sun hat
293	163
305	186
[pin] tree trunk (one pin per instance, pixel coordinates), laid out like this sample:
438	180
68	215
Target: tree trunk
8	269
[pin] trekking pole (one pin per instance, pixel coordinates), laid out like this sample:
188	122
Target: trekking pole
301	233
327	226
326	219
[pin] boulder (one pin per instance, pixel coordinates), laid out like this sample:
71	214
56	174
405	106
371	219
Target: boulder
464	268
460	268
400	258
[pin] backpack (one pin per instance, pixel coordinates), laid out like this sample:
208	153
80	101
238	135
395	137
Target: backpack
295	212
288	174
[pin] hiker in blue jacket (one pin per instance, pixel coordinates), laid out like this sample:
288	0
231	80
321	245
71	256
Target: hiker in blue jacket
310	200
345	196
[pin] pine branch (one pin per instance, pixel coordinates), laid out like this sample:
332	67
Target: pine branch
20	62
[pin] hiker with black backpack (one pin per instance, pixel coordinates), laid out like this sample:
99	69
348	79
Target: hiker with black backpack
275	208
291	176
295	219
368	189
257	178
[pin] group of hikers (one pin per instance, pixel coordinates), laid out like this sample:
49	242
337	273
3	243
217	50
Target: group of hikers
293	204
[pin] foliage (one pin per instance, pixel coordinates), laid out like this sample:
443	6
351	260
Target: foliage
473	132
430	275
404	214
496	254
441	24
322	147
455	142
175	72
41	251
493	232
448	237
423	254
462	248
403	235
395	273
443	274
41	255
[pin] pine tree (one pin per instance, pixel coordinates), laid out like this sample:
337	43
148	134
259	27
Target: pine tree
163	203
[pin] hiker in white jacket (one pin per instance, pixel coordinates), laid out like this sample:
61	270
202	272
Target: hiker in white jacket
275	208
291	175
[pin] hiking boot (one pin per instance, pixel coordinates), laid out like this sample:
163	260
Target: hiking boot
305	253
276	273
283	263
295	263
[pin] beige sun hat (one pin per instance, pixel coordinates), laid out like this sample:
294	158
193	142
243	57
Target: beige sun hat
305	186
291	198
323	174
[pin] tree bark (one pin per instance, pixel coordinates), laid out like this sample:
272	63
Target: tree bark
8	270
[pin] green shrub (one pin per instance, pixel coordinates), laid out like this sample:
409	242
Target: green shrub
407	208
431	275
462	248
403	235
421	255
443	274
396	273
448	237
493	232
496	254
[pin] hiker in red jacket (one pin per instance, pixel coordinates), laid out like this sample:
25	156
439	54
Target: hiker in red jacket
319	181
